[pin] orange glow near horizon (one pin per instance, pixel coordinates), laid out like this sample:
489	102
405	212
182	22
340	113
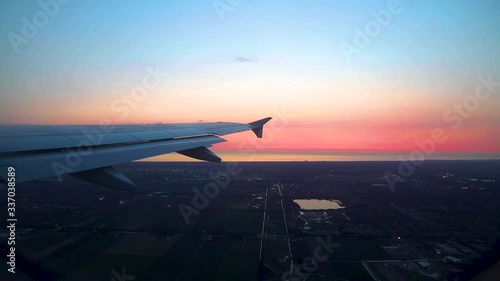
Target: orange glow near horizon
375	128
383	121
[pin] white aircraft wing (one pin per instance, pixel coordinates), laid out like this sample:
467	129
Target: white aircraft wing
89	152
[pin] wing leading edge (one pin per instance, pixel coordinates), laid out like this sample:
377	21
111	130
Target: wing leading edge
89	152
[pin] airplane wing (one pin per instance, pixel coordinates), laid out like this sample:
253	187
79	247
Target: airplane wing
89	152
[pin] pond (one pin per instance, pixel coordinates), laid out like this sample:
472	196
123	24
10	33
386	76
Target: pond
318	204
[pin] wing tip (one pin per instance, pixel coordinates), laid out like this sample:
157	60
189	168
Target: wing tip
258	126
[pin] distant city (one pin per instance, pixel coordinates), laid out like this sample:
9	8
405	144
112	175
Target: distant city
262	221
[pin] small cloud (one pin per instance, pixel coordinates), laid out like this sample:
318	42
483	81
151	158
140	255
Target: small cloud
245	59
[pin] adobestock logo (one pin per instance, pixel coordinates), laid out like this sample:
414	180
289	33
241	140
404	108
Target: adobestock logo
39	19
123	106
223	6
249	148
363	37
455	116
309	265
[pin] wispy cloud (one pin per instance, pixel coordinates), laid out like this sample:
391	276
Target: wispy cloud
245	59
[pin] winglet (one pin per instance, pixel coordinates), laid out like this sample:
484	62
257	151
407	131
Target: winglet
258	126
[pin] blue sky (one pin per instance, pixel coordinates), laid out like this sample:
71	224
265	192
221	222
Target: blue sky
190	35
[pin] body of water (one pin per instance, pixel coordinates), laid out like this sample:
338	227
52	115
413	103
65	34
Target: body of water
316	204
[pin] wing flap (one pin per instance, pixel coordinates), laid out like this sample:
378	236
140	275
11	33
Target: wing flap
152	135
96	138
186	132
